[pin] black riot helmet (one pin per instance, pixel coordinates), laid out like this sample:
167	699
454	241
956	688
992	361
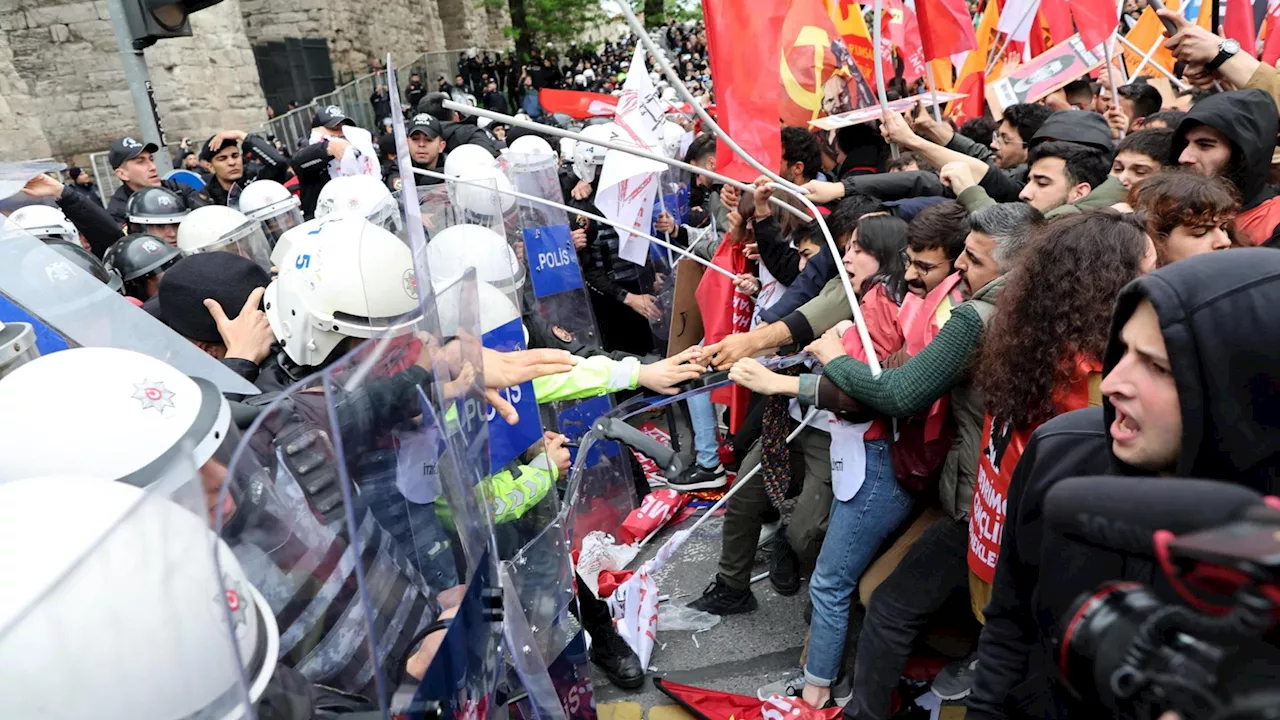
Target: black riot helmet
85	260
155	206
139	258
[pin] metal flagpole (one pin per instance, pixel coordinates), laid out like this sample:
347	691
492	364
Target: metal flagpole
876	16
557	132
933	90
577	211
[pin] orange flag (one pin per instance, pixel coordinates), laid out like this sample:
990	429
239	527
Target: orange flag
1146	34
972	76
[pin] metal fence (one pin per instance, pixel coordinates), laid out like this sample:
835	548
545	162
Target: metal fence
354	97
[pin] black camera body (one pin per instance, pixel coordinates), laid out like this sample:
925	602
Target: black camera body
1124	647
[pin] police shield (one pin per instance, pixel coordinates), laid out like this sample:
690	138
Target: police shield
62	300
558	313
120	600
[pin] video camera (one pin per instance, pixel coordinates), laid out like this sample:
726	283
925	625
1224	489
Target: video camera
1201	641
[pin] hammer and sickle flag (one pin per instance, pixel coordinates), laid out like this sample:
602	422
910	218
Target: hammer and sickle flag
819	75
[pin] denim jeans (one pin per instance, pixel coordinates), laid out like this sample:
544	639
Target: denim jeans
932	570
856	529
702	415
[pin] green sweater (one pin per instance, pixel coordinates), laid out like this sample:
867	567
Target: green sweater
910	389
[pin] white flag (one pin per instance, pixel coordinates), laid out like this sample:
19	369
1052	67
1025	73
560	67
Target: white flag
1017	18
629	184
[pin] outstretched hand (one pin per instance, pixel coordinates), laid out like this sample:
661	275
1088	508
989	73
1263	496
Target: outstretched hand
663	376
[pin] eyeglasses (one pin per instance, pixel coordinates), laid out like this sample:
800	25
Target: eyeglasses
998	139
922	268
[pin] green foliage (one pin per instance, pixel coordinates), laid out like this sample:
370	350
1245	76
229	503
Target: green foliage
543	23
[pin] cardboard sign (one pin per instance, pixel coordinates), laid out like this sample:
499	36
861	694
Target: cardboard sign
686	319
867	114
1047	72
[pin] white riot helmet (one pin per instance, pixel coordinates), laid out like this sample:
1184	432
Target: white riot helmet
485	192
350	279
126	410
588	157
122	604
566	149
672	138
531	145
282	255
454	307
362	195
46	223
466	158
271	204
17	346
451	252
215	228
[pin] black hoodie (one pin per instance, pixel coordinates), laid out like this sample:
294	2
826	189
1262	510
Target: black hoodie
1216	316
1248	118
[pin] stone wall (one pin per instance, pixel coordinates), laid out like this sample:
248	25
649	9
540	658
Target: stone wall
66	53
24	136
63	91
358	32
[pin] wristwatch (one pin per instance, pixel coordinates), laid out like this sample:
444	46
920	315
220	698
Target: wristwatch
1226	49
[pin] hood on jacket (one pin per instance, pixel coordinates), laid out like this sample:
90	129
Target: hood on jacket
1217	316
1249	120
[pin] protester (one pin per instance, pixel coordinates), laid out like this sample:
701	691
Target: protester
1233	135
935	563
1140	155
1179	336
1041	357
1186	214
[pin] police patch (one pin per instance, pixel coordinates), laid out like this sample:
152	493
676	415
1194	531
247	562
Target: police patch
562	334
410	284
396	184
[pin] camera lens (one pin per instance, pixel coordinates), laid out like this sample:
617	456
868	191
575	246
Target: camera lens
1102	627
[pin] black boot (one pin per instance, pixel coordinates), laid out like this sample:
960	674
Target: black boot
784	566
615	657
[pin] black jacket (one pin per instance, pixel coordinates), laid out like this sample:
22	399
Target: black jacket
90	191
118	207
311	165
413	94
1216	317
495	101
456	134
99	228
895	186
1248	119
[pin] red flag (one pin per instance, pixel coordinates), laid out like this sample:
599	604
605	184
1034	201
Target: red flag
946	28
726	310
577	105
705	704
1057	20
1095	19
1238	25
913	61
1271	48
747	89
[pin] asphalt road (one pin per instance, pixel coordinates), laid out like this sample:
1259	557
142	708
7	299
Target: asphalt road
739	654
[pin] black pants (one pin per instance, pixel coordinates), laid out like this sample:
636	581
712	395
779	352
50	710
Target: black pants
592	612
933	569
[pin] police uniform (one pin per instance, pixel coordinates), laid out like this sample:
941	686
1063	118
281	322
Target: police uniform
125	149
430	126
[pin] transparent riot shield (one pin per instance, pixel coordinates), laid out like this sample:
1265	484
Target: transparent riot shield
558	309
120	602
86	313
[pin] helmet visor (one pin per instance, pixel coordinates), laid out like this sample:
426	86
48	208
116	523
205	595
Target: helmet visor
276	225
387	215
249	240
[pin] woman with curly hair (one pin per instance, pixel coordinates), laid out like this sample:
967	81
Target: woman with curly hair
1186	214
1042	355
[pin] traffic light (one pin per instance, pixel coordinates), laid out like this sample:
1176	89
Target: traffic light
152	20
